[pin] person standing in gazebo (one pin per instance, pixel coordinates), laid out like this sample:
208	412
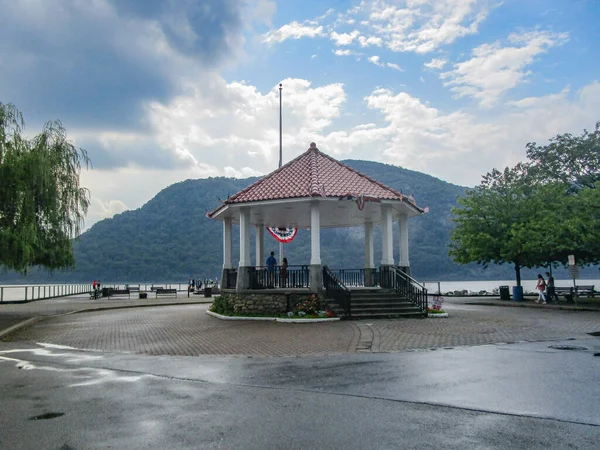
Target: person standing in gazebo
271	263
283	274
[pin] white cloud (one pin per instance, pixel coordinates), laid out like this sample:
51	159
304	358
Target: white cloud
293	30
231	129
415	26
494	69
343	38
375	60
344	52
368	41
436	63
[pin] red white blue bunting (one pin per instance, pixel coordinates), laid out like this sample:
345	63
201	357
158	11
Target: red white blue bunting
284	235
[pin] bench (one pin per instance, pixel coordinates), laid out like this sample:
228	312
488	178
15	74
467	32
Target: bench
567	292
119	292
157	288
134	288
587	289
161	291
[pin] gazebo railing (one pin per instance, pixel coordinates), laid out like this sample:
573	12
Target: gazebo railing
294	277
337	291
231	280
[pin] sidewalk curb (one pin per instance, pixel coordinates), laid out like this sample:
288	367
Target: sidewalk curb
527	305
273	319
20	325
104	308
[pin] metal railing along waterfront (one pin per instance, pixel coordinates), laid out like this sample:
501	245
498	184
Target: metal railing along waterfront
28	293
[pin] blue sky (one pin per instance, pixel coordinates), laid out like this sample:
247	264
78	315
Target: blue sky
158	91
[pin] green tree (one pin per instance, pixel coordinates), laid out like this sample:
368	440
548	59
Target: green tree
42	205
574	163
503	220
573	160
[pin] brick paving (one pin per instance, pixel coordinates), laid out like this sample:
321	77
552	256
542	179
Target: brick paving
187	330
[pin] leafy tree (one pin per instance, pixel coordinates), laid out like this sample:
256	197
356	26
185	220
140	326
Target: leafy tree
573	160
503	220
42	205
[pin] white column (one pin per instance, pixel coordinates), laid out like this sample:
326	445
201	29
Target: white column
369	254
245	237
227	243
315	235
387	240
403	224
260	245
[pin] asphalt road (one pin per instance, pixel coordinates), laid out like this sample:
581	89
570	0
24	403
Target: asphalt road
488	377
514	396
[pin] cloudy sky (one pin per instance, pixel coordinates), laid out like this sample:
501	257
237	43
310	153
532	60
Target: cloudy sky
159	91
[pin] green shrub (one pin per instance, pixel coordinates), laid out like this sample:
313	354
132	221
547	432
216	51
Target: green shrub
221	305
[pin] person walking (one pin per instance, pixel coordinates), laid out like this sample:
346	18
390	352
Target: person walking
271	263
541	287
550	290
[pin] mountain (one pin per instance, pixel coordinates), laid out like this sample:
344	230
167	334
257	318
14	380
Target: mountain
170	238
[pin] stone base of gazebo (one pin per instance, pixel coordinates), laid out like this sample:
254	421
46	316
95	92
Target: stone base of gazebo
264	301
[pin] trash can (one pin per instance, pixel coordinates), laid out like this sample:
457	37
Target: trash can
208	292
104	292
504	293
518	293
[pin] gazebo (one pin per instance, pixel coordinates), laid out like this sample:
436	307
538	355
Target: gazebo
315	191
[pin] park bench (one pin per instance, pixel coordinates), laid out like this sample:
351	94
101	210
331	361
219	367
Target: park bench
134	288
162	291
567	292
119	293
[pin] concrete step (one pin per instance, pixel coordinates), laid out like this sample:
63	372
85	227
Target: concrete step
387	315
379	300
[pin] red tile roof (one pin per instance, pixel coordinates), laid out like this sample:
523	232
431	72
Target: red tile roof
313	174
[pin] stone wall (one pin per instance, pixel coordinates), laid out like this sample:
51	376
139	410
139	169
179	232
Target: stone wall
262	302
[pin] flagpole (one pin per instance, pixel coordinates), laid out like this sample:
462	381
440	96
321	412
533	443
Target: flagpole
280	160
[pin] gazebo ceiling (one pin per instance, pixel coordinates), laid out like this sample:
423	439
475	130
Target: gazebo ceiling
345	196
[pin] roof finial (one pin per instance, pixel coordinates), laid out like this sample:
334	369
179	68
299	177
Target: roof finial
313	145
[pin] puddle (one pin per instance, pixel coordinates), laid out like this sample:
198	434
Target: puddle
46	416
567	347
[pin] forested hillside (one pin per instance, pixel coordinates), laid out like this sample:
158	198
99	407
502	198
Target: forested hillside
170	239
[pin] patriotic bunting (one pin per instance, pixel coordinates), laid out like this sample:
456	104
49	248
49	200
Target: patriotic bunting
284	235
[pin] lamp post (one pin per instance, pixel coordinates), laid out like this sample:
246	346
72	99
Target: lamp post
280	158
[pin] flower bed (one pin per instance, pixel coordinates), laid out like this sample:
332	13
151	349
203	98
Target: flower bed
436	313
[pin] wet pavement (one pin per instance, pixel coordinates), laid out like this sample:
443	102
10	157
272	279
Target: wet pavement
186	330
134	377
515	396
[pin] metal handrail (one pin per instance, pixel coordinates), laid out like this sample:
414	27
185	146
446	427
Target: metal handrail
337	291
410	288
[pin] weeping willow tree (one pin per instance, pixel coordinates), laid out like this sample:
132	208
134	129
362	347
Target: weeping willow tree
42	205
